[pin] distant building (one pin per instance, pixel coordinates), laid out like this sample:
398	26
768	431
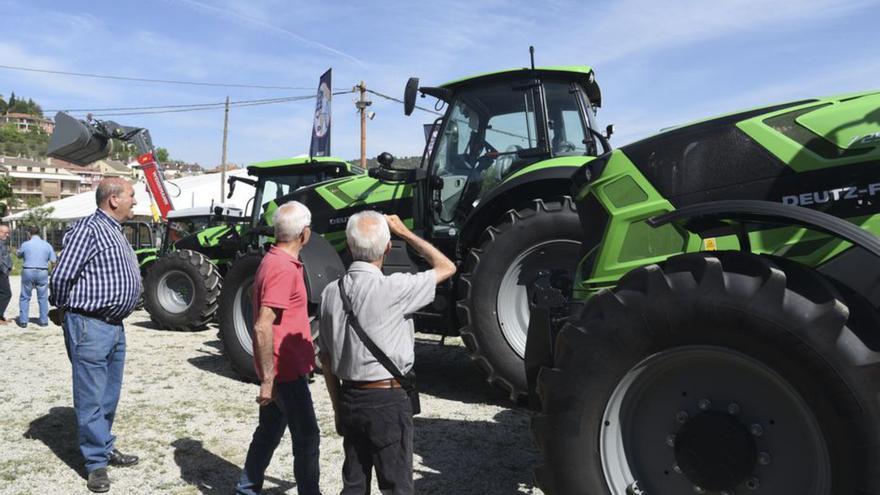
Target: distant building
42	182
89	175
176	170
25	122
115	168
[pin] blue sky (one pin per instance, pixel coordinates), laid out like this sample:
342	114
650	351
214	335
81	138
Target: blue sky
658	63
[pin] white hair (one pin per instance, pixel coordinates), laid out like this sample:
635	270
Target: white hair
290	219
367	235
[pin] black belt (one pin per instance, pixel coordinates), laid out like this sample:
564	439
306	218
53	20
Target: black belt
97	316
33	268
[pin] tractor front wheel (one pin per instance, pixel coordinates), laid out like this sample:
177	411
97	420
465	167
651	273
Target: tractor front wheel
712	373
541	241
181	290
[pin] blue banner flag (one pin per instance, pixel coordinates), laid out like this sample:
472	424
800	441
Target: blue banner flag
321	129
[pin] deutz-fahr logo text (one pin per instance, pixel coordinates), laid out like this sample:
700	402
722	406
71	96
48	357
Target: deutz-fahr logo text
838	194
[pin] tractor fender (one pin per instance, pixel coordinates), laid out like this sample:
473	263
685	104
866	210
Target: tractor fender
713	215
321	266
543	183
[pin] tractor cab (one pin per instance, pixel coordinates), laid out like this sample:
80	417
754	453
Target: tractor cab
496	126
275	180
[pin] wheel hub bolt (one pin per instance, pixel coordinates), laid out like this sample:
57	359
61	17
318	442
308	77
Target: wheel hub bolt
727	492
670	440
756	430
733	408
753	483
704	404
764	459
676	468
699	489
681	417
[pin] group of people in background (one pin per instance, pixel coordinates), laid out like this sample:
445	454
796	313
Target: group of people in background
96	285
37	256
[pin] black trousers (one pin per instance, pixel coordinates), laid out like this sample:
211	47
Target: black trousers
377	430
5	294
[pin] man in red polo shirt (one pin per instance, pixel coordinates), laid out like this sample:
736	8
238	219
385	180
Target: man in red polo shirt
283	356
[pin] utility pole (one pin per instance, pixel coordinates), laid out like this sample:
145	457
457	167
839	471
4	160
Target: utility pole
362	105
223	160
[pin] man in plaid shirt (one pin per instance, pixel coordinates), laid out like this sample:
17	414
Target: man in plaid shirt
96	285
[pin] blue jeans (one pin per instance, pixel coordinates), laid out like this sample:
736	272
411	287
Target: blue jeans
293	410
97	356
30	280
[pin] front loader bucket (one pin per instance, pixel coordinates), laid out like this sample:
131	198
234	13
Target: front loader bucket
76	141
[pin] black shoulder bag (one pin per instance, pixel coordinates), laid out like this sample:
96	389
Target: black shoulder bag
408	381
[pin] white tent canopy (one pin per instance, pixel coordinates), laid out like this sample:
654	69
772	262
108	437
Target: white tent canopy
186	192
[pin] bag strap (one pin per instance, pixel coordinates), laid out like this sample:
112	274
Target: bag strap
380	356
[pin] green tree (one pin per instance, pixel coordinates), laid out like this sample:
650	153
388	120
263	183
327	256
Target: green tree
161	155
39	217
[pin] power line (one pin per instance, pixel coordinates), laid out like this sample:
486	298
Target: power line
191	106
196	109
156	107
398	100
148	80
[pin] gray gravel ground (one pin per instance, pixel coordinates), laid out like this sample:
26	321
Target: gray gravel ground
190	420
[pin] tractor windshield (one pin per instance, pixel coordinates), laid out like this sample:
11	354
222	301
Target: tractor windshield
492	131
275	186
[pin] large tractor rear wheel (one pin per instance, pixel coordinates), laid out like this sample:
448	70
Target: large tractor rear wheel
541	241
236	317
713	373
181	290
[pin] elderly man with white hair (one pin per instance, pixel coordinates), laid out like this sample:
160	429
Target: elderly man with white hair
373	412
283	357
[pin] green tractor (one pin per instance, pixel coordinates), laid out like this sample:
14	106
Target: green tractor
182	276
723	333
183	280
492	192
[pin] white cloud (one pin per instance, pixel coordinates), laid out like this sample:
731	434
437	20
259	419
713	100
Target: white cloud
247	17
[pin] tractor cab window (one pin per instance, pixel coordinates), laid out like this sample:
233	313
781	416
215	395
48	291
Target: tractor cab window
275	186
566	124
478	144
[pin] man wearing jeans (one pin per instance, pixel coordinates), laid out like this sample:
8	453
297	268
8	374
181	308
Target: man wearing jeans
96	285
36	254
5	268
283	356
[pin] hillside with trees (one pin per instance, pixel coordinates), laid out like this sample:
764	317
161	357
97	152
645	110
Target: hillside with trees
20	105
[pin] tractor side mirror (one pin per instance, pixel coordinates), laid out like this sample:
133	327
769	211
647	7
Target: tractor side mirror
609	130
409	95
231	182
76	141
